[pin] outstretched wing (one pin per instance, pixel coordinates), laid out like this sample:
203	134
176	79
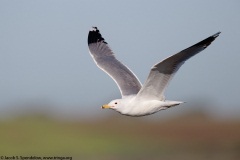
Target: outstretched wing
103	56
161	73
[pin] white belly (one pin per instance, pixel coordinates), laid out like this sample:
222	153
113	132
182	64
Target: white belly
146	107
138	108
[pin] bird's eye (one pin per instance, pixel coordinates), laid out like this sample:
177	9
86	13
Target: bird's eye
115	102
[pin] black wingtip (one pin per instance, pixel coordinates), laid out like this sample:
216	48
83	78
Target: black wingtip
206	42
95	36
216	35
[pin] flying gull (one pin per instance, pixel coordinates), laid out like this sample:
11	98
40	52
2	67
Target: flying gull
138	100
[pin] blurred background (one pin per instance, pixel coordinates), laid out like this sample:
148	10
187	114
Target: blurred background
51	90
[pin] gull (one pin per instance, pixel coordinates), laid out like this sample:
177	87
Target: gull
138	99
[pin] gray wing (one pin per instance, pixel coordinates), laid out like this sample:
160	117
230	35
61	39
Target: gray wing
161	73
103	56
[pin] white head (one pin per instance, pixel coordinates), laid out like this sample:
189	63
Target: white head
114	104
119	105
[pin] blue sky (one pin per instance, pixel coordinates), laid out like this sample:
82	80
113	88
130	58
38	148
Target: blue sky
44	54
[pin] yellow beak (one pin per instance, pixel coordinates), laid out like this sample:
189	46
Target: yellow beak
105	106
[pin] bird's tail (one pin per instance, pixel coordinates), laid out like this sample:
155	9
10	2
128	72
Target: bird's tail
173	103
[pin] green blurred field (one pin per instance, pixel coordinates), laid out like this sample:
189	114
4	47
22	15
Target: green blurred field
183	138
